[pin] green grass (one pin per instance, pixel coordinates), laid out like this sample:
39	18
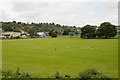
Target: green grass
72	55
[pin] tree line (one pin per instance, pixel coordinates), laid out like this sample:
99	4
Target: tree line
33	28
105	30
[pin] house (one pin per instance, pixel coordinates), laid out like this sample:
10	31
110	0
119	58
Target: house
11	34
2	37
41	34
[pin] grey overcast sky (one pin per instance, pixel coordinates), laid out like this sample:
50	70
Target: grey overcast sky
74	13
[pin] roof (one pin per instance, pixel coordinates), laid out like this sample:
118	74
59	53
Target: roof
40	33
11	33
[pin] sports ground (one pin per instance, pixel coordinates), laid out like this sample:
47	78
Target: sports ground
43	57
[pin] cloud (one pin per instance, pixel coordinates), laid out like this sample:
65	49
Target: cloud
29	6
60	0
67	13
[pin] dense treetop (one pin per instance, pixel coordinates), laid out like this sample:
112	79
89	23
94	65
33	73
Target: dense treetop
39	27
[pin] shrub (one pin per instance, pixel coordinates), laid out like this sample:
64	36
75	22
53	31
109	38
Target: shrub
54	34
71	34
17	74
57	76
90	74
7	74
17	37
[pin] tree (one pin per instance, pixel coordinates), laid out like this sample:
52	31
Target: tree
14	21
71	34
66	31
32	32
106	30
88	32
54	34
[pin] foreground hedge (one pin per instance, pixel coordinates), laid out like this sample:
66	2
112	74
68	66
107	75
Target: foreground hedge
89	74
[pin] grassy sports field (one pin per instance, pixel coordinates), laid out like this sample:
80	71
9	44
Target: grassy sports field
43	57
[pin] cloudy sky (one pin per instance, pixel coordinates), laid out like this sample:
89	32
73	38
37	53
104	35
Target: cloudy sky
78	13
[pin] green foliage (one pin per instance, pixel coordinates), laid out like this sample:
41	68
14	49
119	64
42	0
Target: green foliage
33	32
7	74
91	74
17	37
10	26
106	30
66	31
35	27
50	32
71	34
17	74
88	32
57	76
54	34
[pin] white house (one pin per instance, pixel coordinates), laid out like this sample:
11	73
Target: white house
11	34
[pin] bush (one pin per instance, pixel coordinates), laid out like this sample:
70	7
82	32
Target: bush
54	34
71	34
17	74
90	74
7	74
17	37
57	76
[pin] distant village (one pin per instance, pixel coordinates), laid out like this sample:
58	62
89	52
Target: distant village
12	30
16	35
16	30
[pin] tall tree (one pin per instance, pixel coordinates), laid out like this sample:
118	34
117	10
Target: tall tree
88	32
106	30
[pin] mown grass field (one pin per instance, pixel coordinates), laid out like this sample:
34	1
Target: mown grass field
72	55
